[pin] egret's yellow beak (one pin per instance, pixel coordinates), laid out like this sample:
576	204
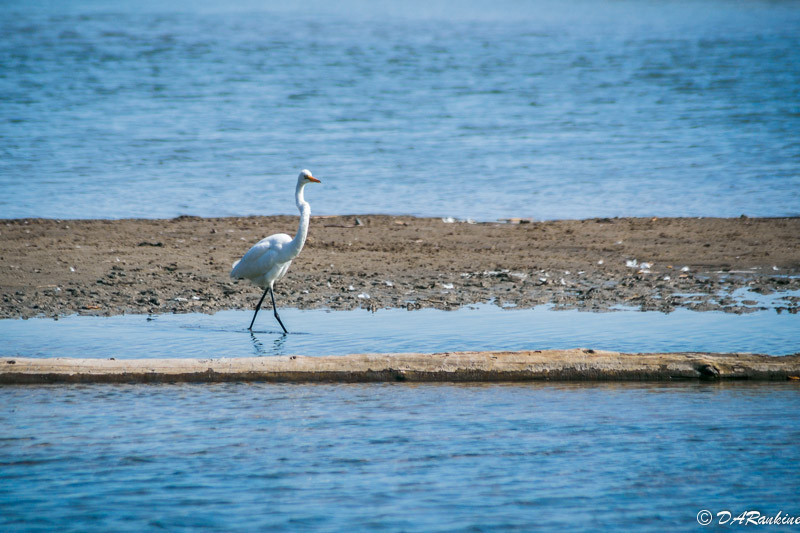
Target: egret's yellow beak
312	178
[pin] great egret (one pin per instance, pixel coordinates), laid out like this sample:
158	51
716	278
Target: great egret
269	259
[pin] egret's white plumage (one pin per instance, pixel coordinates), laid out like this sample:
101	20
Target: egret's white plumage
264	263
269	259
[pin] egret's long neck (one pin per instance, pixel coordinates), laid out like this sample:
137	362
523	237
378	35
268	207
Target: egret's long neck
305	215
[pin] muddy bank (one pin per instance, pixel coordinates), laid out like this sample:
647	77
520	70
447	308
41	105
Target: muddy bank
104	267
537	365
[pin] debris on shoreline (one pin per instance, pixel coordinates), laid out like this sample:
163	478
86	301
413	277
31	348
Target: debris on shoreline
108	267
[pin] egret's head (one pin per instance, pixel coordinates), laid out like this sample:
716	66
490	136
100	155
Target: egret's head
306	177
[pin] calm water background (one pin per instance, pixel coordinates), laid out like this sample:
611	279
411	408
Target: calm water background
467	109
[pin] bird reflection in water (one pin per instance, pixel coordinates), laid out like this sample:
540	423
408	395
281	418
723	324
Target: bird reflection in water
277	346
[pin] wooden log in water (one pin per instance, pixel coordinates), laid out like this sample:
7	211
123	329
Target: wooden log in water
537	365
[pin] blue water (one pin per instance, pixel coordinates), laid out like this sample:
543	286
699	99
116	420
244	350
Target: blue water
316	332
237	457
481	109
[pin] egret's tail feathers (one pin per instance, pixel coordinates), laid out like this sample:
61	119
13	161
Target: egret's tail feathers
233	268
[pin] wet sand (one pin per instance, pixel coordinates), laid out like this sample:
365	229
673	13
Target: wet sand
538	365
107	267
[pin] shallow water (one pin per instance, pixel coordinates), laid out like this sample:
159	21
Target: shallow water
482	109
259	457
318	332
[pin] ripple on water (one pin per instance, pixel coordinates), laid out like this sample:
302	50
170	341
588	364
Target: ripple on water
333	457
607	109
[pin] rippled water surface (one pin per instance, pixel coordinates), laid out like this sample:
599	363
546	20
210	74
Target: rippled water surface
316	332
390	457
477	109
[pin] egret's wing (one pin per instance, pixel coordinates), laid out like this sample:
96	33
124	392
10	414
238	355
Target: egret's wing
261	258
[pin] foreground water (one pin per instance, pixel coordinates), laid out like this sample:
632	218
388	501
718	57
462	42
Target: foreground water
319	332
389	457
237	457
482	109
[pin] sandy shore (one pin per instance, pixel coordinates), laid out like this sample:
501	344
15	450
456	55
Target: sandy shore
104	267
538	365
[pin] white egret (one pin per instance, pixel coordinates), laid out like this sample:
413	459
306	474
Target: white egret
269	259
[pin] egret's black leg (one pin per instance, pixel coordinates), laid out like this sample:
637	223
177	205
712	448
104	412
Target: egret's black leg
275	308
257	308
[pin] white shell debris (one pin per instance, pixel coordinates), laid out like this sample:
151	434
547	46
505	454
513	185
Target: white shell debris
644	267
447	285
364	296
448	220
685	269
388	283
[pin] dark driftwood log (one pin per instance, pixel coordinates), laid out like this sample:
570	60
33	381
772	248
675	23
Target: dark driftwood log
554	365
